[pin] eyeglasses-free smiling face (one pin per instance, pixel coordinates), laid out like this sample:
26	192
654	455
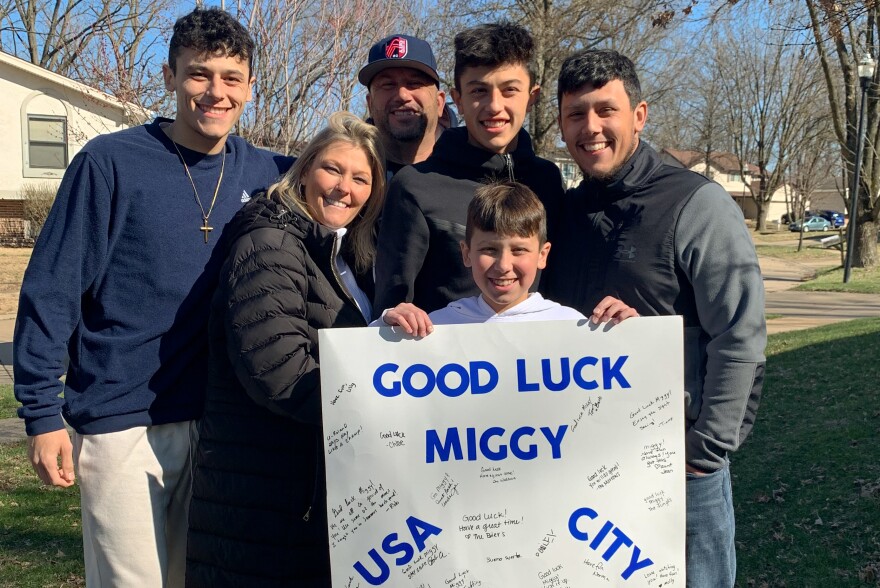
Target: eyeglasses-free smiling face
601	128
338	184
405	103
493	101
504	267
212	91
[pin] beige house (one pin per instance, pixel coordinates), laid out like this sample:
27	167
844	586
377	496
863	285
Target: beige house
830	194
46	120
724	168
571	175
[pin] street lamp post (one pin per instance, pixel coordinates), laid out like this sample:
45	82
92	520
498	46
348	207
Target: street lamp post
866	74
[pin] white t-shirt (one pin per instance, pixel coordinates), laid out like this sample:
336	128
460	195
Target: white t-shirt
347	276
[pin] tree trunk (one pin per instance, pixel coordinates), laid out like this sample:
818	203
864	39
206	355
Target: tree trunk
866	244
762	209
543	129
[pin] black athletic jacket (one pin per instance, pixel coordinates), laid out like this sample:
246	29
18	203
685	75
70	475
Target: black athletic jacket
419	259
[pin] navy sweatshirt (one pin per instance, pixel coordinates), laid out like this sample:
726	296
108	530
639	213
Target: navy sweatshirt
121	280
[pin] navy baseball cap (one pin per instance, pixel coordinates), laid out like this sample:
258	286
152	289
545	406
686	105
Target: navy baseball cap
399	51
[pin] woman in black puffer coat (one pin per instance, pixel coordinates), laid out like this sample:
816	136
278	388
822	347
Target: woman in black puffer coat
299	260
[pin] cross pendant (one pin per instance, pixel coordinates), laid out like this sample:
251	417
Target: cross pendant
206	229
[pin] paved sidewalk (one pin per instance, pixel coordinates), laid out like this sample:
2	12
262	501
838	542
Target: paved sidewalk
7	325
11	430
799	310
804	310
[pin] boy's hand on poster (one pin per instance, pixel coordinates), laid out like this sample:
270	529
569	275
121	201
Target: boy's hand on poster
409	317
612	309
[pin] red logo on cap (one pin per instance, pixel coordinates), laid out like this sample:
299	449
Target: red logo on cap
396	48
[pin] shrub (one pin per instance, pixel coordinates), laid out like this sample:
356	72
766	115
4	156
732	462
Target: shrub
37	200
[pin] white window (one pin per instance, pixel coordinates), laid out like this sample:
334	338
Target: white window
47	142
45	134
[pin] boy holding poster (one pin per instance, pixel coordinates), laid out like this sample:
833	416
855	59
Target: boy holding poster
505	245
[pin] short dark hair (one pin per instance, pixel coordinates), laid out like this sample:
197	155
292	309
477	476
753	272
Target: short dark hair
210	31
506	208
597	67
491	45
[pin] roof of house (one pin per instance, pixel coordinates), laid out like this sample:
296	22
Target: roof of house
725	162
559	154
98	96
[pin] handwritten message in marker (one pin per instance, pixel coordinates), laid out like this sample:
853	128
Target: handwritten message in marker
528	454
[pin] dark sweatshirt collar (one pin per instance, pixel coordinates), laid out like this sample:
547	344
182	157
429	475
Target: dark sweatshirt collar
635	172
453	147
191	156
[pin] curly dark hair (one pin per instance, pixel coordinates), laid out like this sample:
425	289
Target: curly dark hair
210	31
492	45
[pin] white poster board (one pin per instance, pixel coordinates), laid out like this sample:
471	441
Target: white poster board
543	454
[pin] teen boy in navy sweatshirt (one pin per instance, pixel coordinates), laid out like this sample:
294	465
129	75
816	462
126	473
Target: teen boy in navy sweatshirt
120	280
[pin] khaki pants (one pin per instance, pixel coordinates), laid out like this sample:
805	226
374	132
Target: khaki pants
135	487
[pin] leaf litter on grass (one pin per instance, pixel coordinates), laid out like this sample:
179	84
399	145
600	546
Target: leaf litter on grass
806	482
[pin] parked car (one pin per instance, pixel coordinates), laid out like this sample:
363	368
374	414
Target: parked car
814	223
835	218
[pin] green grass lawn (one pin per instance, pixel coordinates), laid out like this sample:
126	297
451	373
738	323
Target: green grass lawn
8	403
40	536
864	281
810	251
773	235
806	483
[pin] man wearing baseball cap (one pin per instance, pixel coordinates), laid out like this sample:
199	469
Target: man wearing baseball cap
403	97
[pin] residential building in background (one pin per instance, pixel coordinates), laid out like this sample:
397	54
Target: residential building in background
571	175
724	168
47	118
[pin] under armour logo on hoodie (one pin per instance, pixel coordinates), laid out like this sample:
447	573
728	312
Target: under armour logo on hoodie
625	254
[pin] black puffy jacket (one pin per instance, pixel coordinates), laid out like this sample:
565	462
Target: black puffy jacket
258	513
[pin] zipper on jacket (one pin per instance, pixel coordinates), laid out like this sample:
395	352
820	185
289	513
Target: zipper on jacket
319	454
280	217
508	164
320	447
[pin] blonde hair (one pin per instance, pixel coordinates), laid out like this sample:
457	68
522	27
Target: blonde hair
342	127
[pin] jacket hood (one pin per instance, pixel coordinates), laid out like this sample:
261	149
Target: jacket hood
477	308
262	212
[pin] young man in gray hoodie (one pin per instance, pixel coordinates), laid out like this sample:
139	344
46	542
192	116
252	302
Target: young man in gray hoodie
667	241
